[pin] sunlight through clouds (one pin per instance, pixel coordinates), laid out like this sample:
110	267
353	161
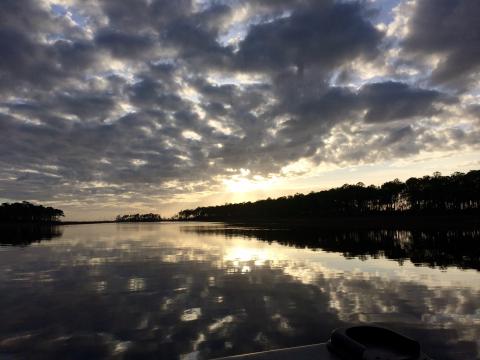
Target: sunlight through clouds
142	94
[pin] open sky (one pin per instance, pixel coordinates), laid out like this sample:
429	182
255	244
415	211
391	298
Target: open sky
110	106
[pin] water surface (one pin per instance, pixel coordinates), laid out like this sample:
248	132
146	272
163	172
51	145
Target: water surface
194	291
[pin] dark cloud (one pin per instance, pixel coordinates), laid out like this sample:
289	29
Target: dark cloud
318	115
122	44
391	101
450	30
381	102
196	45
23	60
30	54
323	34
23	16
474	110
132	14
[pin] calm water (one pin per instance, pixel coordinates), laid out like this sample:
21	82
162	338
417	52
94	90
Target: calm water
195	291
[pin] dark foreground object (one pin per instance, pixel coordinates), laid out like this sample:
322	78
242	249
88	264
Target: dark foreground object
352	343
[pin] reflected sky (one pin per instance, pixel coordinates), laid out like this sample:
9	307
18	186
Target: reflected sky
171	290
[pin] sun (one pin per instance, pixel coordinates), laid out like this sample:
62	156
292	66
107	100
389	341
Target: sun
243	185
240	185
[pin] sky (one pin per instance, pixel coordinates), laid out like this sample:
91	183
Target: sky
110	107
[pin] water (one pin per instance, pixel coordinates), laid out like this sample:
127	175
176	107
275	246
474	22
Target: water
195	291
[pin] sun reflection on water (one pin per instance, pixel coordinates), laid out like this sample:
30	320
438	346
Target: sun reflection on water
238	255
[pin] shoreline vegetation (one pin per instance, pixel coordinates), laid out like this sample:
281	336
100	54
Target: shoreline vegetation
431	201
426	199
139	218
26	212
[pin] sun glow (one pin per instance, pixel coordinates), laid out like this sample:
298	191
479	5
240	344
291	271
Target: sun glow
243	185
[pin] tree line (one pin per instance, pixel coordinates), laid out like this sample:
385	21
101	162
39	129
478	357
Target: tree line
25	212
428	195
138	218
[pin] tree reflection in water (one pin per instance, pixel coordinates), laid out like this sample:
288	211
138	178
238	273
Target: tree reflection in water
442	249
26	234
156	291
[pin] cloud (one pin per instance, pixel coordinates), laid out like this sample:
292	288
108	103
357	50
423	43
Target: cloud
390	101
450	31
35	49
123	45
322	34
132	15
96	96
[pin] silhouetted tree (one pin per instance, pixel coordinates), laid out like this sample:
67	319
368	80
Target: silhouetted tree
437	194
25	212
138	218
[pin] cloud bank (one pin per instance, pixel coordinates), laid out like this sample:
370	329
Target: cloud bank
144	100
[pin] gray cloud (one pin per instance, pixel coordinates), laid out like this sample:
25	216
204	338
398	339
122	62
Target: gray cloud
124	45
131	15
391	101
38	49
322	34
450	30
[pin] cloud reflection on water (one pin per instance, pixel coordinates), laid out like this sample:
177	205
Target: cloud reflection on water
153	290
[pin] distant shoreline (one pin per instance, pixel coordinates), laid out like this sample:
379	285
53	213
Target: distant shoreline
85	222
359	222
108	222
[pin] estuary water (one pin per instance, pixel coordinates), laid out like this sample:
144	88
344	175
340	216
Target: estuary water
204	290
